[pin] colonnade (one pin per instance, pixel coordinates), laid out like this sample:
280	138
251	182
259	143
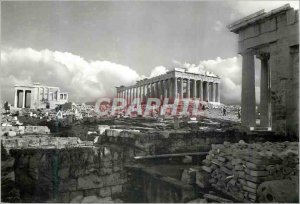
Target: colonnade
248	104
173	87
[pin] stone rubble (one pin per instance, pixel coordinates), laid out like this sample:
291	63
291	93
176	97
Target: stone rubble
238	169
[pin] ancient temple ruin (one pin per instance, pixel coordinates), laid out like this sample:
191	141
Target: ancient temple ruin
273	38
177	83
38	96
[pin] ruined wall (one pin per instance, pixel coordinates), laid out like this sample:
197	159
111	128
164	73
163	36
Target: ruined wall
63	175
21	130
284	75
40	141
148	186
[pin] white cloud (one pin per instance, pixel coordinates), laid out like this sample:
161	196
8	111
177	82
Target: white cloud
85	80
218	25
249	7
159	70
88	80
229	70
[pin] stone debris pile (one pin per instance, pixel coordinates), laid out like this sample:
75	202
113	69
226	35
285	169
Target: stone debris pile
238	169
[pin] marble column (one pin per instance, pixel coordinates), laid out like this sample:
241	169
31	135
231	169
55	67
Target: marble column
162	88
129	95
207	91
165	84
181	88
140	92
213	98
16	98
248	90
152	90
170	88
188	88
264	90
48	94
175	88
194	88
145	92
148	90
134	95
218	92
157	90
201	90
24	98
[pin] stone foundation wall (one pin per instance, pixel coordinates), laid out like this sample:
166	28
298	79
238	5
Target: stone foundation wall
21	130
69	174
38	141
148	186
165	142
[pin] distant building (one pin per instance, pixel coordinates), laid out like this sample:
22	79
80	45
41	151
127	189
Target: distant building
38	96
177	83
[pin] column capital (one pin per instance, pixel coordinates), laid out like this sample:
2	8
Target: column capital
262	55
248	52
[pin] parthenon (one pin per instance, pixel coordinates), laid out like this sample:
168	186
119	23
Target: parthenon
177	83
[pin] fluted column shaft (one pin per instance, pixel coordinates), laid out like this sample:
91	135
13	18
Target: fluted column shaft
188	88
248	90
194	88
175	89
201	90
181	88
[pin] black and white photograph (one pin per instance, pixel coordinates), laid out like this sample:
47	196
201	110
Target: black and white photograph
149	101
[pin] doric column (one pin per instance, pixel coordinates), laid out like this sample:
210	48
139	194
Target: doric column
248	90
201	90
129	95
162	89
16	98
157	92
140	91
207	91
218	92
170	88
264	90
165	84
134	93
194	88
145	91
175	88
188	88
213	98
148	90
181	88
152	90
24	98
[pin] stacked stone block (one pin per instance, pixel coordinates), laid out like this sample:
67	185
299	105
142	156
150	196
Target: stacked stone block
238	169
69	174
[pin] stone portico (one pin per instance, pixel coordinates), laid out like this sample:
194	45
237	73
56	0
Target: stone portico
38	96
273	38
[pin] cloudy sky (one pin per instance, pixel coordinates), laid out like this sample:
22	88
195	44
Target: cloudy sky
88	48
